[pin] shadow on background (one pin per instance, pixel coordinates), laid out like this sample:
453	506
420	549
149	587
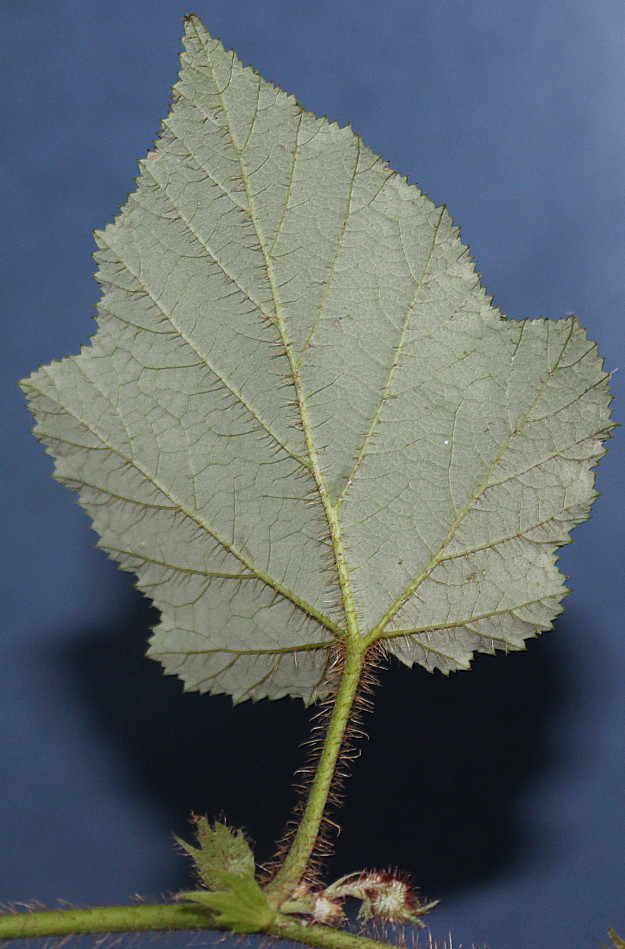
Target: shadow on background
435	791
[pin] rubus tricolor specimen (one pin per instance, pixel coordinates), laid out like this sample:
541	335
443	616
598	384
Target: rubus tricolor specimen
305	429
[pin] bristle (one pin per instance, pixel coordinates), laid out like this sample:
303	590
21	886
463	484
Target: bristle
329	829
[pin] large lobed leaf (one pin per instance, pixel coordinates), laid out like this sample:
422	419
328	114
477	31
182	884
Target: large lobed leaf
296	366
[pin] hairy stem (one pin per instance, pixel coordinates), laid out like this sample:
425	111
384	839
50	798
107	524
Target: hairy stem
297	860
163	917
101	919
324	937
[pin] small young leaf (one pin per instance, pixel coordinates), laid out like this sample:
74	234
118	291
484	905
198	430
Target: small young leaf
301	414
239	905
220	849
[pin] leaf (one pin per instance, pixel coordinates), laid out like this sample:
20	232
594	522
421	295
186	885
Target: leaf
301	414
221	849
239	905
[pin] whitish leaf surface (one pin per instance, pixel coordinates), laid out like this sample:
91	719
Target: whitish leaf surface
300	412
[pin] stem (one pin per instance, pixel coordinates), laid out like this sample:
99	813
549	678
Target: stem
165	916
324	937
102	919
298	857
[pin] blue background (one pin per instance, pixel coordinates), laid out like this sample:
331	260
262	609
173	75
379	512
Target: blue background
502	790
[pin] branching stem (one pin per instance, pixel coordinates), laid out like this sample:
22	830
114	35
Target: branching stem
163	917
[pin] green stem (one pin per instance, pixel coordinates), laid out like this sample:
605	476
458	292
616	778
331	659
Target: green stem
324	937
103	919
163	917
298	857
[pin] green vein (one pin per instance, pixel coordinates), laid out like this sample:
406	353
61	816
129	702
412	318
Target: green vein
333	265
269	581
289	187
391	372
206	362
277	651
464	623
193	231
331	514
378	630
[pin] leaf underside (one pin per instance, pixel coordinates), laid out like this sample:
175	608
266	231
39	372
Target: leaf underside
295	362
